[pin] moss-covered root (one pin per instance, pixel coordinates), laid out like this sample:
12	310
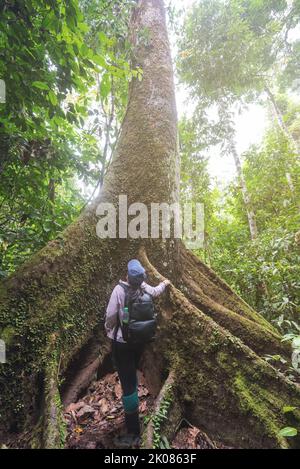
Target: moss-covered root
166	416
152	271
228	390
222	385
217	289
261	339
53	427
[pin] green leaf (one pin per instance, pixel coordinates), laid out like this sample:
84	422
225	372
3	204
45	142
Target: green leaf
296	342
105	86
288	409
83	27
41	85
103	38
288	432
166	442
53	98
84	50
99	60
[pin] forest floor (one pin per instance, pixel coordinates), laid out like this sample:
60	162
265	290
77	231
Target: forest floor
96	419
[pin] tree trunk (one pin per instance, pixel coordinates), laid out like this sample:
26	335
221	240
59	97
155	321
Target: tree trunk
210	343
280	121
246	196
282	125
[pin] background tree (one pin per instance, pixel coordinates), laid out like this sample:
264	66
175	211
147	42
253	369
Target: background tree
195	183
229	53
273	259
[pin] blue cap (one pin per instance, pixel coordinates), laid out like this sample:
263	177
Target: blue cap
136	272
135	268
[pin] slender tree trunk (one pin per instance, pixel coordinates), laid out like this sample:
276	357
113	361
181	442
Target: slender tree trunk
280	121
210	343
282	125
109	117
246	195
51	196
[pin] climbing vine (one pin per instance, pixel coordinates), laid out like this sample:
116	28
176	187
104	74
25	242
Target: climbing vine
160	441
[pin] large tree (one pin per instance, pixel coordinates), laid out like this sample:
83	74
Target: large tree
210	346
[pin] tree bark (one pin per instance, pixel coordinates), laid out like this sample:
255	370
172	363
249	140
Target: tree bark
282	125
280	121
210	342
246	196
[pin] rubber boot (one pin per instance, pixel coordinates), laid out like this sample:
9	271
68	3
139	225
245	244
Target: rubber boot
132	438
132	421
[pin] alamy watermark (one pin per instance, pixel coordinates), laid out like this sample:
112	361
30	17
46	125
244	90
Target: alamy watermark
159	221
2	351
2	92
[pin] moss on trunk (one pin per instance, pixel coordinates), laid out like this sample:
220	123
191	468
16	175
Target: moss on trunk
222	385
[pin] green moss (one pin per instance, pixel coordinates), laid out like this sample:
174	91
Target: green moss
254	402
61	292
54	429
8	334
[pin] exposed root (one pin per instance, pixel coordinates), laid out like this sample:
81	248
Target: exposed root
224	387
53	432
217	290
155	425
261	339
83	369
52	423
149	267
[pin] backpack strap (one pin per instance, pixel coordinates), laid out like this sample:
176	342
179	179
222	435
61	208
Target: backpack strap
126	289
119	325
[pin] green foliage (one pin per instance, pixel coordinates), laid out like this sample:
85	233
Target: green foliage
265	272
230	53
160	441
65	66
229	48
288	432
287	409
195	184
194	174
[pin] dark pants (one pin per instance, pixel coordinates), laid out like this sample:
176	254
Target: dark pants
126	359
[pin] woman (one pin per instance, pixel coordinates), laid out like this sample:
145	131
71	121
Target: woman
125	355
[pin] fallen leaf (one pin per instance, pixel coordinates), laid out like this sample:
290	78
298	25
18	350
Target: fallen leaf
74	407
78	430
104	406
110	379
91	445
85	411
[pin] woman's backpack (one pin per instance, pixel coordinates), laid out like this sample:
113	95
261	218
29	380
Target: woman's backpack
141	325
